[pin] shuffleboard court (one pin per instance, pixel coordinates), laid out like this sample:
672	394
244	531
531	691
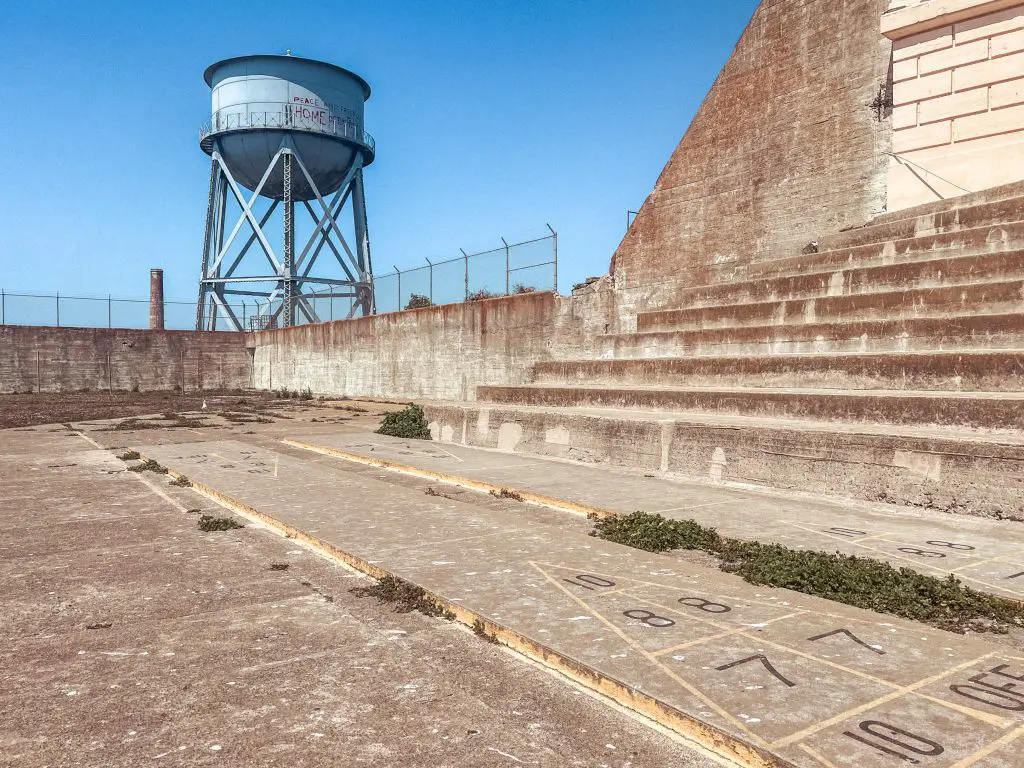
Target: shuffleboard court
985	554
766	677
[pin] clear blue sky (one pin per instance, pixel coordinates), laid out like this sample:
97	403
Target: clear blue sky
491	118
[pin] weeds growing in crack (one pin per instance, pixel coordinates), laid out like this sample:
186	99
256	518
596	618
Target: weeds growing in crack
181	482
404	597
208	523
149	466
480	630
129	456
507	493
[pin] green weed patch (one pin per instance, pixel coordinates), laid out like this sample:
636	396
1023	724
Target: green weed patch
409	423
858	581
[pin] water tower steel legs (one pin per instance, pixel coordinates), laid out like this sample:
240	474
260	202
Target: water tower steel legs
289	244
201	301
222	279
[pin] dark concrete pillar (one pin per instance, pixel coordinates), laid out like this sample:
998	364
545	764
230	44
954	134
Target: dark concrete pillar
156	299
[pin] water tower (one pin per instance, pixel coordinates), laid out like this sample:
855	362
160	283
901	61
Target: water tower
288	130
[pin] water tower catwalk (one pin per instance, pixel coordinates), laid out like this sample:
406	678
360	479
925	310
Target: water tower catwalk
290	131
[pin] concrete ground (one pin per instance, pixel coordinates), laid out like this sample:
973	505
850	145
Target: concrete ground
767	676
131	638
985	554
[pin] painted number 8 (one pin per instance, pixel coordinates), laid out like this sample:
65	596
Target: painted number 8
952	545
705	605
920	552
648	618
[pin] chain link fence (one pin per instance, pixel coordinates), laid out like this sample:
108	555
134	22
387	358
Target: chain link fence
56	309
530	265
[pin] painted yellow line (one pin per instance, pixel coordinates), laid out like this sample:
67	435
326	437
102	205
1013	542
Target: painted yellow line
463	482
719	742
985	751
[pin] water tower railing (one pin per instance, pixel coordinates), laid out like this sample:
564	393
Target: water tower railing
287	118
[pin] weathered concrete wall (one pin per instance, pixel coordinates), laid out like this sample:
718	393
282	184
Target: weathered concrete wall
785	148
441	352
34	359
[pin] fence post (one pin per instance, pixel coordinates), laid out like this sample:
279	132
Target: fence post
243	315
3	319
58	308
508	266
110	312
399	288
466	258
430	281
555	236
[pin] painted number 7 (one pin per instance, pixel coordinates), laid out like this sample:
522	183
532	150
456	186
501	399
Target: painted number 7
767	665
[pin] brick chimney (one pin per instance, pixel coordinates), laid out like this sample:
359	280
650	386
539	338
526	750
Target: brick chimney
156	299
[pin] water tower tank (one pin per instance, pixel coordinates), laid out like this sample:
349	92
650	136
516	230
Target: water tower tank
291	131
318	105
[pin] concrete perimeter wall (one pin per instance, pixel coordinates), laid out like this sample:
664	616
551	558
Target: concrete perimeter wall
441	352
785	148
34	359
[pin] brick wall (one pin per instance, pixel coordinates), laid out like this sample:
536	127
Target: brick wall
958	97
36	359
441	352
786	147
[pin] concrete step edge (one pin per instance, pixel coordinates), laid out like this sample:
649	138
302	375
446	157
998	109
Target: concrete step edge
711	359
981	285
993	211
854	269
963	436
995	318
997	194
905	256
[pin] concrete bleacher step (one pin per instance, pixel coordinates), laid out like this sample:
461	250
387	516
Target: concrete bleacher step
988	239
992	371
928	467
1009	191
980	410
923	273
993	297
918	334
929	222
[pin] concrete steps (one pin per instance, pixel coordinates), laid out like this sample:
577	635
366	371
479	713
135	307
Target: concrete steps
996	371
887	365
992	297
992	194
985	410
960	242
949	332
930	222
924	273
936	468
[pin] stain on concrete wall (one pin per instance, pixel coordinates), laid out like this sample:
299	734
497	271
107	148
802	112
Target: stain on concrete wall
785	147
35	359
442	352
